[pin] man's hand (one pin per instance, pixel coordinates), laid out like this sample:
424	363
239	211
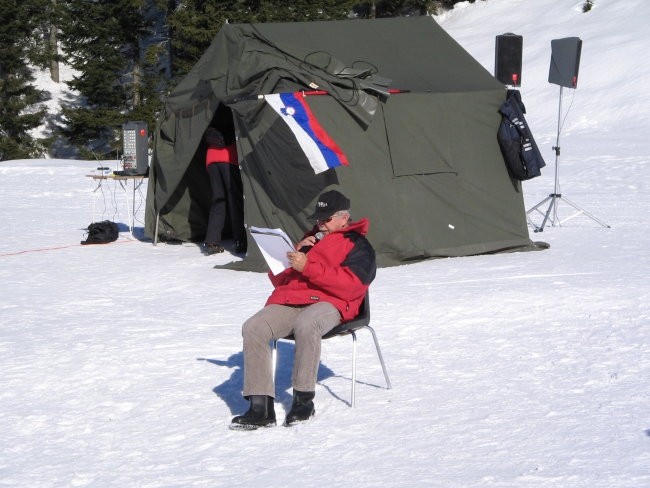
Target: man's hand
297	260
308	241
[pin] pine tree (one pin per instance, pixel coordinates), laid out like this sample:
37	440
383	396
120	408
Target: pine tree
102	41
393	8
195	23
21	107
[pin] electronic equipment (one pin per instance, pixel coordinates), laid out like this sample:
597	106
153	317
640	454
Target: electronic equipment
507	59
135	140
565	61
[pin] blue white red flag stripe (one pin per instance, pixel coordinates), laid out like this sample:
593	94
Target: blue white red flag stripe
321	150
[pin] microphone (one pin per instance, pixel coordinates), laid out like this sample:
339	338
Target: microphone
306	249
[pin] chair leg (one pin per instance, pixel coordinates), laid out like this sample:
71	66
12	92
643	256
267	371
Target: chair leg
381	358
274	357
354	369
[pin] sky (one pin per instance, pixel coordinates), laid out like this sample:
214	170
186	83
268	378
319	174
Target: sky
121	364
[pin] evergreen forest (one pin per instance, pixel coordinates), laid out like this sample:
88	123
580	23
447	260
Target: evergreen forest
126	55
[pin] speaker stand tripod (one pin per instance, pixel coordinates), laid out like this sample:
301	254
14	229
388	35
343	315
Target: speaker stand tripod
554	198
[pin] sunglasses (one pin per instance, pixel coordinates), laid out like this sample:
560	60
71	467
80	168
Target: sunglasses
324	221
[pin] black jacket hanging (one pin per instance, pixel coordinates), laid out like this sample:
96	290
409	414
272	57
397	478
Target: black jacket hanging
518	147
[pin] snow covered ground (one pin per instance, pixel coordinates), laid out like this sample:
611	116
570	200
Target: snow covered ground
121	365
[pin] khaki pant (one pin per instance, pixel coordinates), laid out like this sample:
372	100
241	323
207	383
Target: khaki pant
308	324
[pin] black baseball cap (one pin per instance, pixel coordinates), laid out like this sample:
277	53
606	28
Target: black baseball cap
328	204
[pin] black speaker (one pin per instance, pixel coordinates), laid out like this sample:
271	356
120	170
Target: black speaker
565	61
507	59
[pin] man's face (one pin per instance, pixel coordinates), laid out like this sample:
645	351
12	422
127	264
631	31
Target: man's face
334	223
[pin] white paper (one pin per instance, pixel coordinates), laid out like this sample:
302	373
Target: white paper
274	244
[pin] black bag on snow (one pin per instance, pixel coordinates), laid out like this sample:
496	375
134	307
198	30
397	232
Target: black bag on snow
102	232
518	147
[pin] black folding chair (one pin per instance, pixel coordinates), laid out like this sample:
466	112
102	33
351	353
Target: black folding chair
350	327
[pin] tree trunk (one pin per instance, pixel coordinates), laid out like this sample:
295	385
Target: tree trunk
54	49
137	84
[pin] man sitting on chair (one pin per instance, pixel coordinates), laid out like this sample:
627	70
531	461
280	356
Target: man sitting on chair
330	272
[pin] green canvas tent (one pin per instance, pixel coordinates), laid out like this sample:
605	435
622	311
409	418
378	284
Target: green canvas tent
413	112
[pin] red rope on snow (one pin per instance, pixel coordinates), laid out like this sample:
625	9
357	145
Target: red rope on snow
57	247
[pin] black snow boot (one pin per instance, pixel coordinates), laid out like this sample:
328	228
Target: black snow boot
260	414
302	407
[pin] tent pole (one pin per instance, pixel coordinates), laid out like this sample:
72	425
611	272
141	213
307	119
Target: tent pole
554	197
155	234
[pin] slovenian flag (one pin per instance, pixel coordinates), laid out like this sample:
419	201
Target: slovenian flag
321	150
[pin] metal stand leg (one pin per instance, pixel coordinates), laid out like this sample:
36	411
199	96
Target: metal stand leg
133	208
95	200
582	211
97	188
129	205
554	197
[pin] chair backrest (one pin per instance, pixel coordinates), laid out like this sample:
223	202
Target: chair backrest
349	326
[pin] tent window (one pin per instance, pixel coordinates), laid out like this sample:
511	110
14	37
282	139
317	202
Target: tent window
419	134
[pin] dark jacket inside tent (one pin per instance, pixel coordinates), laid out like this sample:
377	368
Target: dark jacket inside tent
424	163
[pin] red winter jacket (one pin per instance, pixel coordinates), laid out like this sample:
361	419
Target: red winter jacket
339	269
226	154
